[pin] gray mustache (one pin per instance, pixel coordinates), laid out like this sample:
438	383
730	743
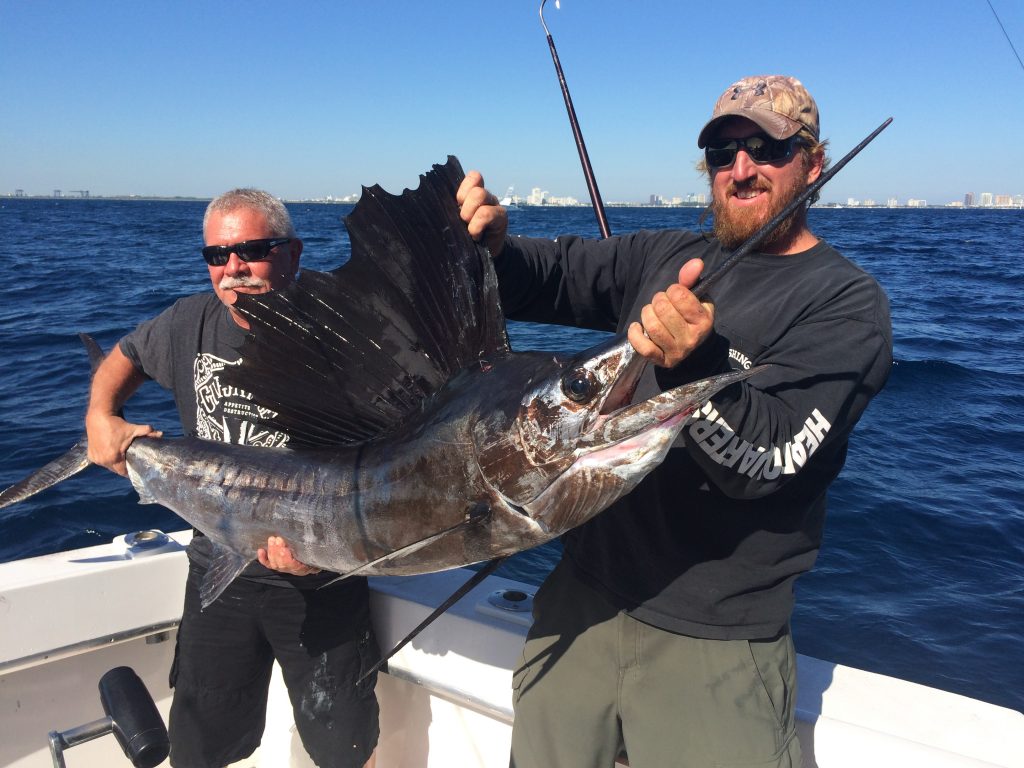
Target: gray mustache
229	283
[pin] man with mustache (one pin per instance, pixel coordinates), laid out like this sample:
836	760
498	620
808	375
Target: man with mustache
664	631
276	609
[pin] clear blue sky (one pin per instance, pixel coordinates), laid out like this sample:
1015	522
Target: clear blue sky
309	99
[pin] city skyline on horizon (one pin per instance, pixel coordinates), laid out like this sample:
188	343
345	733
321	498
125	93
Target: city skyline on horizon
1009	200
541	197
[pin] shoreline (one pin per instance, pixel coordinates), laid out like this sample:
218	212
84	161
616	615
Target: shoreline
315	201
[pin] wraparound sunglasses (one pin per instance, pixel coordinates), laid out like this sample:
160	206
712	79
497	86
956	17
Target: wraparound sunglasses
250	250
760	148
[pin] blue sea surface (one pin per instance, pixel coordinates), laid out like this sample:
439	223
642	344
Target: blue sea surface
921	575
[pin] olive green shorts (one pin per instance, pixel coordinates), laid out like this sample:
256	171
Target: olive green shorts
594	683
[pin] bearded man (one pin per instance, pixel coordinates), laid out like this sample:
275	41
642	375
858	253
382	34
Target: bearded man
664	631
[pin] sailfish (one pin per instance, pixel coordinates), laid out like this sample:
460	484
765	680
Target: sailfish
419	441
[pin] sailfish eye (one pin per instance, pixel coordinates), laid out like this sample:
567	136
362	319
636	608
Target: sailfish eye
579	385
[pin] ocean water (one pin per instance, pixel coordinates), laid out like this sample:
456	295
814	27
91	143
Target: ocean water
921	575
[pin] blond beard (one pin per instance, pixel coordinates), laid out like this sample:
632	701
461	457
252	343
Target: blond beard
734	228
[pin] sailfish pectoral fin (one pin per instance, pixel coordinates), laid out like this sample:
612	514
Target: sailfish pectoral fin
224	567
479	514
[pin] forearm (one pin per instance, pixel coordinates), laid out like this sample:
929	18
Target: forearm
109	435
114	382
757	436
568	281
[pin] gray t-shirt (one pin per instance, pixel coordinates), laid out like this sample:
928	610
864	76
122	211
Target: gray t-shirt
184	349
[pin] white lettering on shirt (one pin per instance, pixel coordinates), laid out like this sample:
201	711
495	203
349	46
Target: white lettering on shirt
709	430
227	414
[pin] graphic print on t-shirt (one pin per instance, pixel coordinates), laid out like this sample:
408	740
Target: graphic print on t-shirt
228	414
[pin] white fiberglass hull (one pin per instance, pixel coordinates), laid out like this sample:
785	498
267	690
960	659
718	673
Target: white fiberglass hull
67	618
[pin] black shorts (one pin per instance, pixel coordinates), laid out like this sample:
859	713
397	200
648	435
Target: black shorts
323	641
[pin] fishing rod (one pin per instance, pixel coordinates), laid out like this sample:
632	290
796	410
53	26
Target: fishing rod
453	598
577	134
701	289
1005	33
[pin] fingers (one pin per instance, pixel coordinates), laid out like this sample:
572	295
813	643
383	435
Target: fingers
473	195
472	180
486	221
143	430
278	557
109	438
674	312
689	273
644	346
674	323
140	430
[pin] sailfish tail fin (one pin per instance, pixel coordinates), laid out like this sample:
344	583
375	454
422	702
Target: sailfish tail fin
71	463
95	352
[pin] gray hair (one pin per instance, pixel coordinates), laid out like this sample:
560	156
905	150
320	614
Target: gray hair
273	210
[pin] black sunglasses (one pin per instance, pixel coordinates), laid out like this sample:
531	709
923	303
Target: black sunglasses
760	148
250	250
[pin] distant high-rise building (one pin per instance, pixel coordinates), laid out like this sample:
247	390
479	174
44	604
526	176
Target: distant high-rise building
1003	201
969	199
986	199
892	202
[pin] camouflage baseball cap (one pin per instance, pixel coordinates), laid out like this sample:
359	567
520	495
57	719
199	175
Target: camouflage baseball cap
778	104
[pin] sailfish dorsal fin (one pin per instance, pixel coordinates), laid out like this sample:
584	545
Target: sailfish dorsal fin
343	356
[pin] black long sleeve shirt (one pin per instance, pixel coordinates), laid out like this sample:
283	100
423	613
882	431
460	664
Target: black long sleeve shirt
712	541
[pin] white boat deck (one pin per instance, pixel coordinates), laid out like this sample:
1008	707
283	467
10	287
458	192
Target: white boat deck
67	618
